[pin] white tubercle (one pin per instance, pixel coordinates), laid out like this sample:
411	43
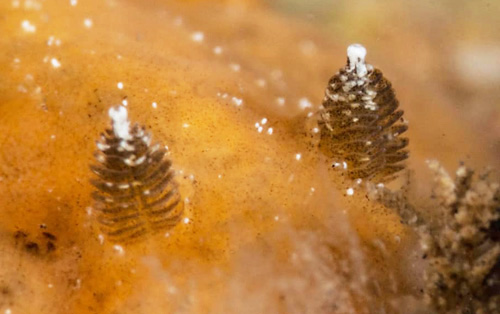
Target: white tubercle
356	54
121	125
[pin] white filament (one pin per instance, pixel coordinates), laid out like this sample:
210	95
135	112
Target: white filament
121	125
356	54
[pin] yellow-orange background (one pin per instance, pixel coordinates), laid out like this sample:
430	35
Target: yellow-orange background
262	223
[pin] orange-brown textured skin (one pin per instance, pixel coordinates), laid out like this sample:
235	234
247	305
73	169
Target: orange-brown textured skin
246	184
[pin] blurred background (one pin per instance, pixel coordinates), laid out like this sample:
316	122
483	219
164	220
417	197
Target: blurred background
451	47
220	71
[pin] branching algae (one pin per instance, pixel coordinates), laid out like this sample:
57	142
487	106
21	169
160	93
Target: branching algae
462	244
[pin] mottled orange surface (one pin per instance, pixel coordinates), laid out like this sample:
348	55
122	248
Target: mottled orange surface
256	202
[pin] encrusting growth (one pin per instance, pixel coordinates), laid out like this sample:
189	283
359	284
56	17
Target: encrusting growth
136	191
360	123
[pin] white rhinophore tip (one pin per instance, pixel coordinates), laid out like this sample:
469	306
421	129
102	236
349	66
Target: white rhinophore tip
121	125
356	54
